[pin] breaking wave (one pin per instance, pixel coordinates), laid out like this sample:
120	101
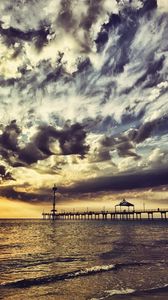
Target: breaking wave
69	275
58	277
129	291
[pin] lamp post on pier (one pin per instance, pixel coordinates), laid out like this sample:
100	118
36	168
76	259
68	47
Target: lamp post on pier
53	211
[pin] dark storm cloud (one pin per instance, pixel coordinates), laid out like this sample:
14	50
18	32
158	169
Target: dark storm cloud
30	154
13	35
100	154
145	179
93	13
9	137
71	140
152	75
126	32
162	125
116	19
9	142
65	18
103	155
99	124
125	143
121	143
144	131
126	149
43	137
52	75
70	23
148	5
157	127
4	174
15	194
108	141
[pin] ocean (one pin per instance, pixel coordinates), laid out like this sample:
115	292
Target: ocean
79	260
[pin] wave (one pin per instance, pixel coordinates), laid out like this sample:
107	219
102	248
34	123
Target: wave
69	275
154	290
116	292
58	277
4	246
26	263
129	291
121	292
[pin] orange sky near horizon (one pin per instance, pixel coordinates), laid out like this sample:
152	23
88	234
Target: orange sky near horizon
18	209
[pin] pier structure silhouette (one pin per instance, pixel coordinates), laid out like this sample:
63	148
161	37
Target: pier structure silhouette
122	211
54	211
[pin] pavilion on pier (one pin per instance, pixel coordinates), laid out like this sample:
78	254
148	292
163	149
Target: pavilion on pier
124	206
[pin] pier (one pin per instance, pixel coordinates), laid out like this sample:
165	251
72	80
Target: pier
149	214
123	211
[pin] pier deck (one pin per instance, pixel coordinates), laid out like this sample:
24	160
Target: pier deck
149	214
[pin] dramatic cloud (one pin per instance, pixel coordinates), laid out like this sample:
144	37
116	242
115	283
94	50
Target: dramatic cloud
71	140
4	174
13	193
9	137
83	93
137	180
144	132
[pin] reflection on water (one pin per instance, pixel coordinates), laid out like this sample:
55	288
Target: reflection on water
81	259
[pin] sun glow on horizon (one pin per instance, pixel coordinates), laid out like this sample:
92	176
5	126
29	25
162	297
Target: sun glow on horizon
18	209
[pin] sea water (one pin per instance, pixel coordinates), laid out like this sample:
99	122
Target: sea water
68	260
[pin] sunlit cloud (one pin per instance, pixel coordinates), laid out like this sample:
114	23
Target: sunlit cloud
83	95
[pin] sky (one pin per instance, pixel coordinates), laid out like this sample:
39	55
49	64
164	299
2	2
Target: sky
83	104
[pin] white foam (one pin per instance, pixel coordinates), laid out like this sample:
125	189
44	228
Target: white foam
97	298
115	292
101	268
120	292
95	269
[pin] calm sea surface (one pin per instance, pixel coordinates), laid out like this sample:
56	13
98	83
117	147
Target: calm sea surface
91	260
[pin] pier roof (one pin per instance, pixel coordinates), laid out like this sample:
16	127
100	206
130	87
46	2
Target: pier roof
124	203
